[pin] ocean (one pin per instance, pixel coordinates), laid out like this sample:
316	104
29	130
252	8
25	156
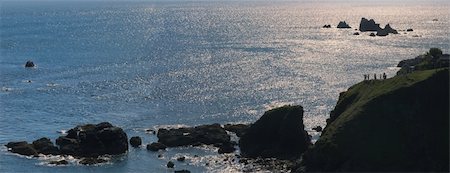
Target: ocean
147	65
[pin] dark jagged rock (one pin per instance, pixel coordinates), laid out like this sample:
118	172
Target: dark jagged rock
239	129
182	171
392	125
326	26
409	30
29	64
356	33
94	140
91	161
372	34
368	25
59	162
278	133
204	134
156	146
170	164
343	24
389	29
135	141
386	31
45	146
317	129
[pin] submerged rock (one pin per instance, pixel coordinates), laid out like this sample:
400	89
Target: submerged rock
278	133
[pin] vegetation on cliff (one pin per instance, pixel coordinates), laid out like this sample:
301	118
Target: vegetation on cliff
398	124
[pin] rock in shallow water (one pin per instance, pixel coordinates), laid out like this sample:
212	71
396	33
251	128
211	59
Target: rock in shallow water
205	134
135	141
82	141
156	146
94	140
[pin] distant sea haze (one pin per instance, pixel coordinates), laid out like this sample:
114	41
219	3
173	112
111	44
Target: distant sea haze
145	65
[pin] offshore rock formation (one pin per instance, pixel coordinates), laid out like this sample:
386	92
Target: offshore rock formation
94	140
278	133
82	141
368	25
204	134
343	24
398	124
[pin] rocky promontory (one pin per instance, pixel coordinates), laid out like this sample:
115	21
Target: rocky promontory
397	124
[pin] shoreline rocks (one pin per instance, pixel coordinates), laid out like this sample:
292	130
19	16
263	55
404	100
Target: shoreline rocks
82	141
204	134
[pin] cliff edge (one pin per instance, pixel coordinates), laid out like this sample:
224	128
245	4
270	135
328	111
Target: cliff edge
397	124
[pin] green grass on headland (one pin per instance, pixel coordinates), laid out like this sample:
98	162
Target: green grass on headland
397	124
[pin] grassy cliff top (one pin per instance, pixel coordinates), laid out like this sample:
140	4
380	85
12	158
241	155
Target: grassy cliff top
397	124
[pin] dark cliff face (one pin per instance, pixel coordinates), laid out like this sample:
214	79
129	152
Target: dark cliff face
398	124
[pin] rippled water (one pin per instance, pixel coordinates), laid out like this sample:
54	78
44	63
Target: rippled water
146	65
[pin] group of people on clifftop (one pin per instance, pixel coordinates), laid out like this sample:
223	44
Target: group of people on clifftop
382	76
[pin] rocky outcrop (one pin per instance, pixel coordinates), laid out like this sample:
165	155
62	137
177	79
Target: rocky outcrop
433	59
278	133
343	24
390	30
212	134
204	134
397	124
94	140
386	31
368	25
82	141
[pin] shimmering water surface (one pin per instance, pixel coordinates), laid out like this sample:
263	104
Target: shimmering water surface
144	65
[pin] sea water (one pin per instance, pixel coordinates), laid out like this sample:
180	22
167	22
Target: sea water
147	65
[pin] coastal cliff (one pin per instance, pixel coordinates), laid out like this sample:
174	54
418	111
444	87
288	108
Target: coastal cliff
398	124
